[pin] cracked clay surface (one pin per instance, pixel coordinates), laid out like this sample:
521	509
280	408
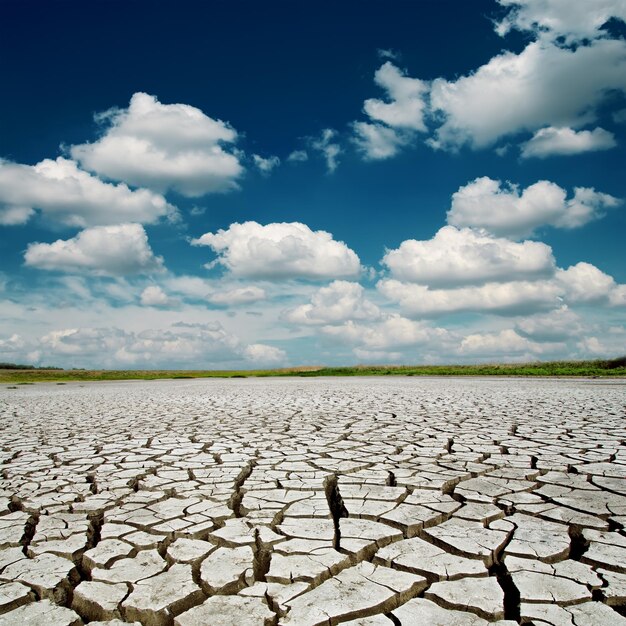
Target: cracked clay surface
302	502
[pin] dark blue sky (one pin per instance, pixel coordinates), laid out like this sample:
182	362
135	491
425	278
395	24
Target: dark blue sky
280	73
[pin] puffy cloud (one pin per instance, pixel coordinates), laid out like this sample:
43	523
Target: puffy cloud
66	194
503	210
505	342
406	105
393	123
391	333
265	165
377	142
261	353
573	21
175	346
153	295
281	250
510	298
585	283
11	347
101	250
463	256
298	156
163	146
552	141
237	295
329	149
216	292
15	215
338	302
556	325
544	85
595	347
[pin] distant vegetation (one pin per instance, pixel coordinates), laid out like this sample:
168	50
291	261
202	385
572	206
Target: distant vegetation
21	366
607	368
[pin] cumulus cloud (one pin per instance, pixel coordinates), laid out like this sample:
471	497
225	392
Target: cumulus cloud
326	144
503	210
557	325
261	353
215	292
281	250
509	298
237	295
298	156
376	141
544	85
585	283
595	347
66	194
391	333
11	346
338	302
178	345
163	146
153	295
553	141
405	106
552	19
265	165
504	343
393	122
463	256
102	250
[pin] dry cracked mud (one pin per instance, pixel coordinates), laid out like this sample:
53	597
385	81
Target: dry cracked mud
296	502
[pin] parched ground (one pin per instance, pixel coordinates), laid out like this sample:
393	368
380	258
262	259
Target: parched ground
297	502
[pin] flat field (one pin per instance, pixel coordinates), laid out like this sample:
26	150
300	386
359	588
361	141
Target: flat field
612	368
300	501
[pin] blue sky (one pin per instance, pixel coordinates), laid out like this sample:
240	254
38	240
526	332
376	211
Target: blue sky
235	184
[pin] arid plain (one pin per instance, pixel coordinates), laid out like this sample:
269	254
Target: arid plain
368	501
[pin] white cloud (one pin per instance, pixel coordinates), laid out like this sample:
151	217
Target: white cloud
101	250
66	194
503	343
544	85
584	283
503	210
510	298
261	353
387	54
329	149
574	21
11	347
556	325
215	292
15	215
237	295
393	123
153	295
338	302
163	146
552	141
406	106
376	141
595	347
298	156
265	165
456	257
391	333
175	346
281	250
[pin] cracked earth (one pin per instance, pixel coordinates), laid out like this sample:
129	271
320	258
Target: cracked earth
296	502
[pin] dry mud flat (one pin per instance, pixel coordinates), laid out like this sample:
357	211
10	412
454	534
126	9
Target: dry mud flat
314	501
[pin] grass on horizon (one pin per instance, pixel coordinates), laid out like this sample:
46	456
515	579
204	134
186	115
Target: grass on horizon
601	368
